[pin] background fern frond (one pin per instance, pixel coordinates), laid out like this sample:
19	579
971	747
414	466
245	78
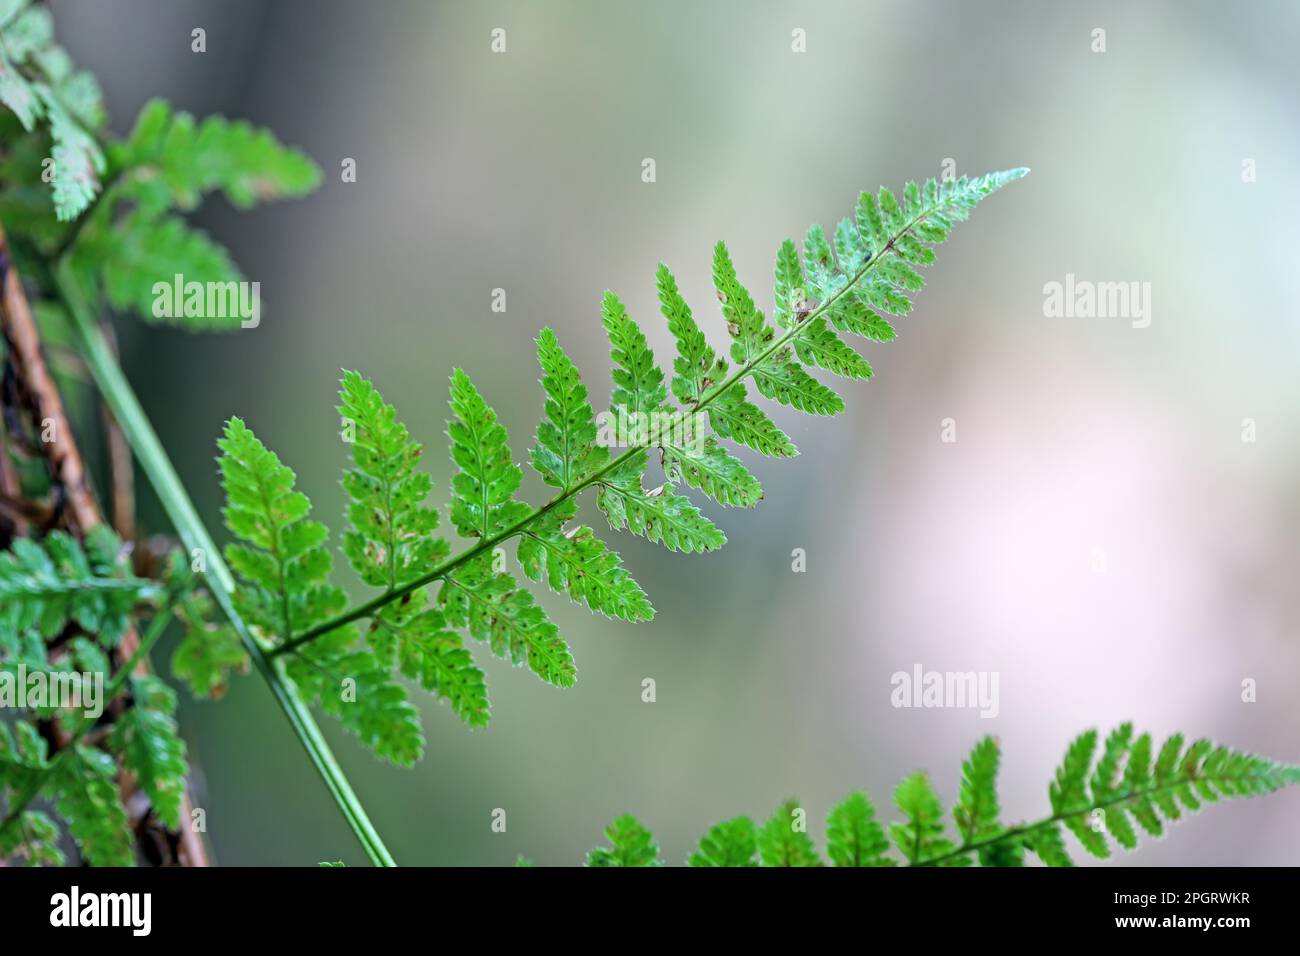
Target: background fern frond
38	82
44	586
853	836
148	740
783	840
631	844
1083	792
733	842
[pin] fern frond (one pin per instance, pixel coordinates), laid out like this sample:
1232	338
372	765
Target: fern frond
209	650
578	562
132	241
44	586
185	159
921	837
732	416
495	609
33	840
38	81
745	322
566	451
421	645
696	366
840	289
86	785
391	540
732	842
144	250
148	741
285	569
484	502
712	470
1084	791
659	515
853	836
638	382
783	839
631	844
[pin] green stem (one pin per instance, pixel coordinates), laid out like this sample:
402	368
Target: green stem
180	509
156	628
488	543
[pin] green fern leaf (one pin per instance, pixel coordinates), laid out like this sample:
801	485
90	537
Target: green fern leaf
24	754
578	562
566	450
1048	843
818	345
484	502
88	799
37	81
357	690
1092	801
790	292
638	382
659	515
147	738
786	382
210	650
418	642
976	812
391	540
730	843
1069	793
921	838
172	161
495	609
783	839
46	586
708	467
631	844
144	250
282	559
745	322
205	658
853	837
285	569
745	423
696	366
33	839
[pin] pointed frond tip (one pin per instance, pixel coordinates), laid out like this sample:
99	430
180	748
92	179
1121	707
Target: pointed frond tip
1095	795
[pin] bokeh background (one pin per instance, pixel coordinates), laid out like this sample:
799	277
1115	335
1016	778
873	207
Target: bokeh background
1076	438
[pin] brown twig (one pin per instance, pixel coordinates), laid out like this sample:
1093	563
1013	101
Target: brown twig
80	512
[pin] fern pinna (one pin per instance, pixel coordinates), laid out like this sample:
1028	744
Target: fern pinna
1111	791
846	285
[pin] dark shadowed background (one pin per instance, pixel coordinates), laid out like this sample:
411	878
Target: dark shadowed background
1099	535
